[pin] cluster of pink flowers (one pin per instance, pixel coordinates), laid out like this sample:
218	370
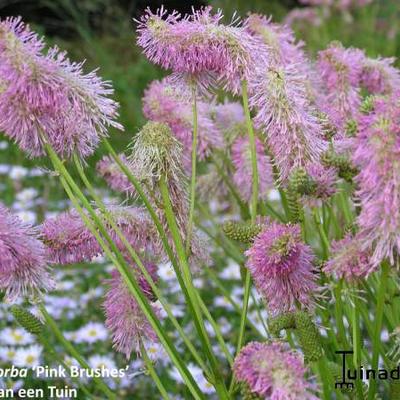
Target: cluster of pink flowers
23	263
282	268
377	150
47	98
273	371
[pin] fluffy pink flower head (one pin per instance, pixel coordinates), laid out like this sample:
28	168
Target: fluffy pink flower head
125	319
286	116
49	96
280	40
198	44
115	178
241	158
274	372
163	102
379	76
68	240
23	268
377	154
303	17
348	260
282	268
340	70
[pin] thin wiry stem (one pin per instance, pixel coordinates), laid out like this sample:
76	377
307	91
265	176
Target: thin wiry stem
193	177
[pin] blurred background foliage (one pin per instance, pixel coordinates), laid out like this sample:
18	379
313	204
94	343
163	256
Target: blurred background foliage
102	32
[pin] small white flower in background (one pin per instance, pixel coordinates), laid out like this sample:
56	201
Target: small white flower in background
7	354
223	302
26	195
65	285
34	172
105	362
98	259
198	283
197	373
27	216
72	336
15	336
231	271
274	195
69	362
224	326
92	332
156	352
28	357
3	145
166	272
4	169
17	173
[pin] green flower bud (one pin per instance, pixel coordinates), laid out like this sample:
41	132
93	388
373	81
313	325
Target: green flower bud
242	232
283	321
27	320
367	105
351	128
345	168
308	336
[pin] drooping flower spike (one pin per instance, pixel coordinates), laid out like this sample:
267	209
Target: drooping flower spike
23	263
377	150
282	268
286	116
47	98
340	70
274	372
125	319
199	45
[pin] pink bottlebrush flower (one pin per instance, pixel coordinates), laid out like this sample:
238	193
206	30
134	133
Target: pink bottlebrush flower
377	151
241	158
348	260
317	2
198	44
227	115
23	268
125	319
111	172
282	268
286	116
280	40
68	240
340	70
379	76
274	372
324	180
163	102
48	95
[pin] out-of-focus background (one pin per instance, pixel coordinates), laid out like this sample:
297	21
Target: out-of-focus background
103	33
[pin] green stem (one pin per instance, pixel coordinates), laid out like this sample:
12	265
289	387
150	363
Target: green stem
153	373
253	151
193	177
72	351
187	277
376	345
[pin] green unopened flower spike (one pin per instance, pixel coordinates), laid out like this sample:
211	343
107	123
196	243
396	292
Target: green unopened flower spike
345	168
367	105
351	128
300	182
27	320
294	205
282	321
242	232
308	336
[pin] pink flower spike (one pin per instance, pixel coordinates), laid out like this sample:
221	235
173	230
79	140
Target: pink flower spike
23	267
